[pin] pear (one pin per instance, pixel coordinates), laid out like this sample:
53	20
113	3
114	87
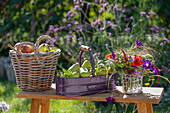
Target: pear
84	72
86	64
100	71
44	48
75	75
74	68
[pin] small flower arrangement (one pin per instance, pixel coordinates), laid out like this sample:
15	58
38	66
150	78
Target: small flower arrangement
132	65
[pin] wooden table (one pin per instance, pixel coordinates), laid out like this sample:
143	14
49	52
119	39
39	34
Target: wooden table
150	95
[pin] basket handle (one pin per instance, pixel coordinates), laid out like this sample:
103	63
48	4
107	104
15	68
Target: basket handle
18	52
89	50
44	37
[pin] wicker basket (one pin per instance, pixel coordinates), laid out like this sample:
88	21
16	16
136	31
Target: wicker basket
34	71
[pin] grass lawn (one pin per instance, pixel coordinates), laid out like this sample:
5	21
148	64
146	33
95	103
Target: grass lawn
9	90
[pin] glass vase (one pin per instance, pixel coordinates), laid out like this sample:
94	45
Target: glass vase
132	84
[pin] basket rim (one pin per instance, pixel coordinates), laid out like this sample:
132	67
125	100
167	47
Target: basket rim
41	53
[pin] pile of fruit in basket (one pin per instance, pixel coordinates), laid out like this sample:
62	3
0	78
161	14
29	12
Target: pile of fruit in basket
29	49
75	71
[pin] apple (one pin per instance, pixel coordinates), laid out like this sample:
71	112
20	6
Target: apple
27	49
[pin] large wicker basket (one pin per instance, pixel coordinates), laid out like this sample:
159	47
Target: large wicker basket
34	71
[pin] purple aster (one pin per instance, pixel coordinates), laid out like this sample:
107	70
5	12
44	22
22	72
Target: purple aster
106	45
147	64
104	5
54	40
82	4
68	25
98	54
69	53
110	100
118	9
87	41
64	27
69	12
156	27
75	13
64	20
77	31
77	2
56	37
80	38
88	4
113	54
131	18
56	29
134	7
152	13
101	10
76	23
161	44
143	31
76	7
152	29
124	5
162	34
70	32
95	54
51	27
166	40
109	34
138	43
123	10
70	36
127	29
142	13
147	16
65	37
163	29
155	71
164	52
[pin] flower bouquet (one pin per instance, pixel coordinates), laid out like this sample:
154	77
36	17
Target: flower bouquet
132	66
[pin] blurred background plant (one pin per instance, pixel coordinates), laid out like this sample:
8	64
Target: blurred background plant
99	24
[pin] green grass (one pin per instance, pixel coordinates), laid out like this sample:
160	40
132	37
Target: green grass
9	90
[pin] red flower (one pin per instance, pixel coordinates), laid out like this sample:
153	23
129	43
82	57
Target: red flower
138	61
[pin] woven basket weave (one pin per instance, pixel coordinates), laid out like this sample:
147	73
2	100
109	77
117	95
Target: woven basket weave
34	71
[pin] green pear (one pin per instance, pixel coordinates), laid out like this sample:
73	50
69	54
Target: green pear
100	71
74	68
75	75
84	72
86	64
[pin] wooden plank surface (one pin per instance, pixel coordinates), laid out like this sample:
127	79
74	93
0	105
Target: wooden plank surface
35	105
149	95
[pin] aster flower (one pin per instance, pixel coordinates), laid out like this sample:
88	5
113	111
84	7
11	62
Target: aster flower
64	20
113	54
104	5
81	38
166	40
131	18
142	13
161	44
138	43
152	13
51	27
147	64
127	29
109	34
110	99
106	45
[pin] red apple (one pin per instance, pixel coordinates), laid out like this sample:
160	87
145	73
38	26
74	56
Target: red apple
27	49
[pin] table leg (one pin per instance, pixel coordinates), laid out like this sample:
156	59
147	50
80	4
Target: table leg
144	108
45	104
35	105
